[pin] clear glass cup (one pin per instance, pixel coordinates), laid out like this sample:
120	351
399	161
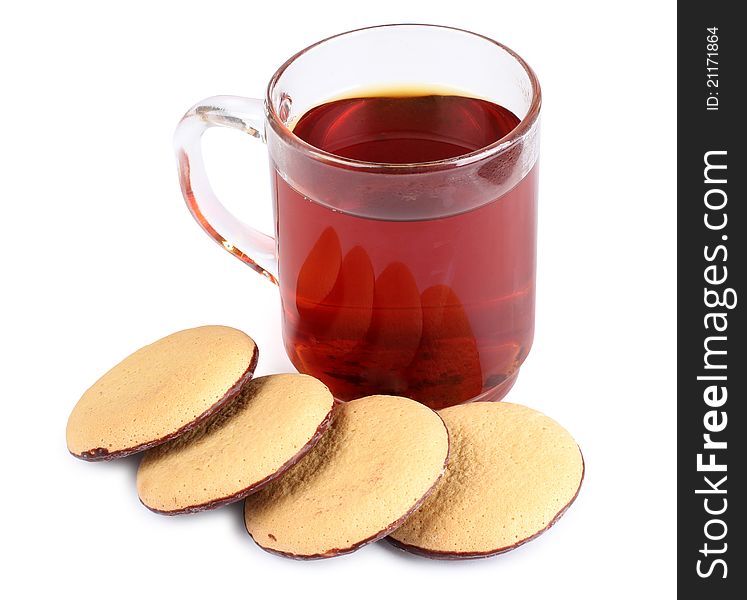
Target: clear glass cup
413	279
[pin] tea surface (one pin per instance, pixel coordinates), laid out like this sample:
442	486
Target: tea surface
405	129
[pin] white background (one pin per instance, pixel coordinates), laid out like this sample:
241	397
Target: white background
99	256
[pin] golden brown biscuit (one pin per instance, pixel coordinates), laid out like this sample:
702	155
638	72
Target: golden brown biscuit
379	459
161	391
513	472
274	422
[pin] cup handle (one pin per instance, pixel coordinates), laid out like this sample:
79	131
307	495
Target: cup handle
245	114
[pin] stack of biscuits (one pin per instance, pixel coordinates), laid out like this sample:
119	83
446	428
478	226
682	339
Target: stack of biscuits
320	478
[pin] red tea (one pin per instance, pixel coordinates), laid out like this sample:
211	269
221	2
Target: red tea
436	308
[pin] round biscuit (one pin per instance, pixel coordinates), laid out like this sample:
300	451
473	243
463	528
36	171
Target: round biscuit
272	424
161	391
378	461
512	474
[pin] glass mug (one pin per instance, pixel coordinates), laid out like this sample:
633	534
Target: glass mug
413	279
